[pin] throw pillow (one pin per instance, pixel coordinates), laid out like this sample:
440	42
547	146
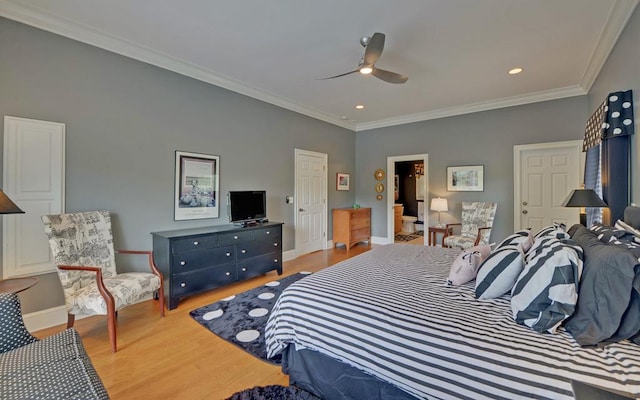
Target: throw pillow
620	224
546	292
557	230
464	267
516	238
498	273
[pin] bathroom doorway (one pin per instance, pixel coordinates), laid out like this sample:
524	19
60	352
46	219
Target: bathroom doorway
408	185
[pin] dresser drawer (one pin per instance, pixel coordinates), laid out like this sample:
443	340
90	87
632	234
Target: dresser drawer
194	243
259	265
203	279
192	260
257	247
267	233
225	239
360	234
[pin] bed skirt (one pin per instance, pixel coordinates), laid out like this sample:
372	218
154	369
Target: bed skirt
331	379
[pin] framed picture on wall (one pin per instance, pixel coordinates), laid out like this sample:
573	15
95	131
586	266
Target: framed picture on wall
342	181
197	186
468	178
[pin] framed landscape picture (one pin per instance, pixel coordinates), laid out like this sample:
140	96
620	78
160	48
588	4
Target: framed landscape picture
197	183
469	178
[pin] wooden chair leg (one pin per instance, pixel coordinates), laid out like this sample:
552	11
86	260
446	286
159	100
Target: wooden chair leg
70	320
112	325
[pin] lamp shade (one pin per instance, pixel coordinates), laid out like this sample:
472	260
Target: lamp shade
583	198
7	206
439	204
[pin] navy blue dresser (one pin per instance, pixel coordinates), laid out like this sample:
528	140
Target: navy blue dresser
200	259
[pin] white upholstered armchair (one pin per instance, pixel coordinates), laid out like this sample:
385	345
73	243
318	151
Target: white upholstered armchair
82	246
475	225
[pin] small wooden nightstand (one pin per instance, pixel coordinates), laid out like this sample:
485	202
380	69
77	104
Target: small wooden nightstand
16	285
433	231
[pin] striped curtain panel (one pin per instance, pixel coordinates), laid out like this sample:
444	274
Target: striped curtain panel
606	142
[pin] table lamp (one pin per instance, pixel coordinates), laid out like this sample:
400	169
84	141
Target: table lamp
583	198
7	206
439	204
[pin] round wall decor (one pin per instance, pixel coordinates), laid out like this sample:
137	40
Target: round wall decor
379	174
379	197
379	187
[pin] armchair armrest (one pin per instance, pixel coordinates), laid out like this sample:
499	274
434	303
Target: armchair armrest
448	229
480	234
108	297
154	269
12	330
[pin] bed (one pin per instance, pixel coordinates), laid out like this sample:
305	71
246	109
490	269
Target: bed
384	324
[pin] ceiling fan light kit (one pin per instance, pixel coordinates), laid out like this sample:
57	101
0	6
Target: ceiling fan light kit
373	50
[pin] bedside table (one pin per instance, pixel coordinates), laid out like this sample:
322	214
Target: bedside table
433	231
16	285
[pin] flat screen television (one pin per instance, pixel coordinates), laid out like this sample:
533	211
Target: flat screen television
247	206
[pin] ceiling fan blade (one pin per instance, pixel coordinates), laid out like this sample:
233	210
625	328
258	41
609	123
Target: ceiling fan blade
389	76
374	48
338	76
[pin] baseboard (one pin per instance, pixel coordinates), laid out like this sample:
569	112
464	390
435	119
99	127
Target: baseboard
288	255
43	319
380	240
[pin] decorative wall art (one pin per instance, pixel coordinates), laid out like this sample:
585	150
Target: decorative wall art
342	181
197	185
468	178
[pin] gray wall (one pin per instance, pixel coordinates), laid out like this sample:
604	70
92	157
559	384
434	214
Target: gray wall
125	119
485	138
622	72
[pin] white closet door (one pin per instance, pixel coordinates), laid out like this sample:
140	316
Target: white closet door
33	177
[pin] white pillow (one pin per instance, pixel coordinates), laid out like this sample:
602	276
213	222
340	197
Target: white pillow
499	272
465	267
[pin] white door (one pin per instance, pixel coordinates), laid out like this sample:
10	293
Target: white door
545	174
33	178
310	201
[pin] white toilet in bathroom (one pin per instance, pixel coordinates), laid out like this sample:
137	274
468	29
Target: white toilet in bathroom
408	223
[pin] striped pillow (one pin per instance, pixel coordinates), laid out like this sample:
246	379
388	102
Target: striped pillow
546	291
558	230
498	273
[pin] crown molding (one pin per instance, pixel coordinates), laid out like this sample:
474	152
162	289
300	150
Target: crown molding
93	37
617	21
620	13
546	95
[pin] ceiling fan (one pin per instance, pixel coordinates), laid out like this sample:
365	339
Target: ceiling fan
373	50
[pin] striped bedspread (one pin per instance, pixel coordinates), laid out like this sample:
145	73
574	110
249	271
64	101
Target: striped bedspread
389	313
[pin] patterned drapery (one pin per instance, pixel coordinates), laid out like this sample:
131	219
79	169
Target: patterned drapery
606	142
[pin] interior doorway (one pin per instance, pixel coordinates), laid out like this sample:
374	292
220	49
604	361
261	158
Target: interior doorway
408	183
310	201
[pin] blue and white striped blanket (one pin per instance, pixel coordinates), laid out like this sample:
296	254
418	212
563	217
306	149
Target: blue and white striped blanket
389	313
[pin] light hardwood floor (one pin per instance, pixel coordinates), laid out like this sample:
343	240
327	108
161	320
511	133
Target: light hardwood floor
175	357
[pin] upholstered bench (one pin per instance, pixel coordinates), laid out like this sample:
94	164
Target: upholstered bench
56	367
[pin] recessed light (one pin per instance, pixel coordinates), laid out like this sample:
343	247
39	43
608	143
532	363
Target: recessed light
344	118
515	71
359	107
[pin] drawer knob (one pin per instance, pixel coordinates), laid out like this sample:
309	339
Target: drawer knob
244	270
268	232
183	284
243	251
195	243
276	244
275	260
183	263
228	254
235	237
227	273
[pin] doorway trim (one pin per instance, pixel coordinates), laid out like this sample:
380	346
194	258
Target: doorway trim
325	180
517	156
391	167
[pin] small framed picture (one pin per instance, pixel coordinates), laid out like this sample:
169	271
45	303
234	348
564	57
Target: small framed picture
468	178
197	183
342	181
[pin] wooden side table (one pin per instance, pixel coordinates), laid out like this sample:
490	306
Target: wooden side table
433	231
17	285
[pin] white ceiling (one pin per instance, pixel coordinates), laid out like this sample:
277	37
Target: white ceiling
455	52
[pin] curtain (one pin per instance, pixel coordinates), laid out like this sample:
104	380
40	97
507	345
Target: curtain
606	142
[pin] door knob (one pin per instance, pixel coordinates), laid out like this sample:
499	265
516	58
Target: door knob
524	203
525	211
301	209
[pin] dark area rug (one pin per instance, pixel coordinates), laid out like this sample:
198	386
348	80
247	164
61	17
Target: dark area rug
241	319
273	393
407	237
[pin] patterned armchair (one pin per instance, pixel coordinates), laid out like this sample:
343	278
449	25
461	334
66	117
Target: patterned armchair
477	219
82	246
